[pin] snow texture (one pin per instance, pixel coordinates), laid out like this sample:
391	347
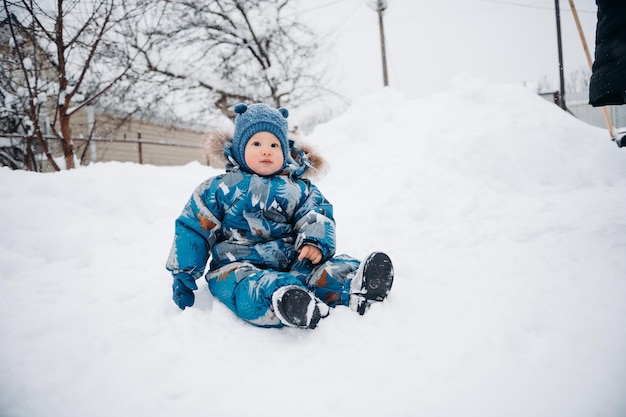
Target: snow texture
505	219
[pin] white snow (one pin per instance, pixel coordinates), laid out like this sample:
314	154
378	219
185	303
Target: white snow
506	221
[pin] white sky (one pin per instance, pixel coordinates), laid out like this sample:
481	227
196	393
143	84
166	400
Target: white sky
430	42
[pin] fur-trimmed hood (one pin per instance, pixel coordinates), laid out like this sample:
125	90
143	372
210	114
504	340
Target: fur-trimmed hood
302	159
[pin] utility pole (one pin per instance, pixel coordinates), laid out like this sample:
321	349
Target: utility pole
380	6
561	100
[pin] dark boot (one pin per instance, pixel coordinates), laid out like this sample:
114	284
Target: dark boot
296	307
372	282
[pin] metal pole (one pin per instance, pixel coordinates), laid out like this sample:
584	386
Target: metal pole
381	9
558	36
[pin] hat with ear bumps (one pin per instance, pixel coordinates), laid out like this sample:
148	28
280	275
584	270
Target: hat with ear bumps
258	118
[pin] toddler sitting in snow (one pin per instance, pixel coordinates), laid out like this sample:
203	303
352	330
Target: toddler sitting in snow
270	235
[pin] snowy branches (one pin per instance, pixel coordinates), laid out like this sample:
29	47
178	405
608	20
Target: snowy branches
178	60
79	54
233	50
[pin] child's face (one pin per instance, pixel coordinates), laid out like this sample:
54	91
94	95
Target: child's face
263	153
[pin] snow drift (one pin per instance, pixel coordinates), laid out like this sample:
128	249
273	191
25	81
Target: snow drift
504	217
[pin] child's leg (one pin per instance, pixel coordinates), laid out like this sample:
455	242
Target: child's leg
344	280
247	291
331	280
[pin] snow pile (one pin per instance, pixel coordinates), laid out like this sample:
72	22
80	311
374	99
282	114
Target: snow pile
505	220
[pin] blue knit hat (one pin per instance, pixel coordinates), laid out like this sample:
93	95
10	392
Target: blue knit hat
258	118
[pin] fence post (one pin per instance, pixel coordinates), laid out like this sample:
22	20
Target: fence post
91	123
139	148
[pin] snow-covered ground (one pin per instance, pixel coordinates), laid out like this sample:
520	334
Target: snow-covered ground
506	221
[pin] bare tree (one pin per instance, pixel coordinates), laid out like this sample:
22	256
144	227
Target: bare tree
22	63
221	52
578	80
81	56
575	82
165	58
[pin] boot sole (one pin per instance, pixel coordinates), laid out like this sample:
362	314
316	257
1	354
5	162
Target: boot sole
377	279
295	307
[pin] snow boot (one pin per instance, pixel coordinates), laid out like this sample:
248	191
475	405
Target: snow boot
296	307
372	282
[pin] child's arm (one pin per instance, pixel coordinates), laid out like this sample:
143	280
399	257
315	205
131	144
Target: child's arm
315	225
195	233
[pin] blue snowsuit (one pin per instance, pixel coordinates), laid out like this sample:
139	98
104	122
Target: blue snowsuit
251	227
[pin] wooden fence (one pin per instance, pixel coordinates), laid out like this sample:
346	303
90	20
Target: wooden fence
138	150
102	137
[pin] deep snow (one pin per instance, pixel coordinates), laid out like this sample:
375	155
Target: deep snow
505	218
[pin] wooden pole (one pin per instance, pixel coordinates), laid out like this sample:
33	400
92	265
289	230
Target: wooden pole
605	112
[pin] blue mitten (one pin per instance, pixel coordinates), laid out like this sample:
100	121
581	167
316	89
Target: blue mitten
182	290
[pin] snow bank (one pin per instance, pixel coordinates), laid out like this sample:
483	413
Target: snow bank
505	220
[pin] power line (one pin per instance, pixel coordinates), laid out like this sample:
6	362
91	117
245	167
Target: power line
322	6
530	6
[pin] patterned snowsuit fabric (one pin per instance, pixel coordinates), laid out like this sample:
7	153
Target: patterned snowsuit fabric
251	227
247	290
